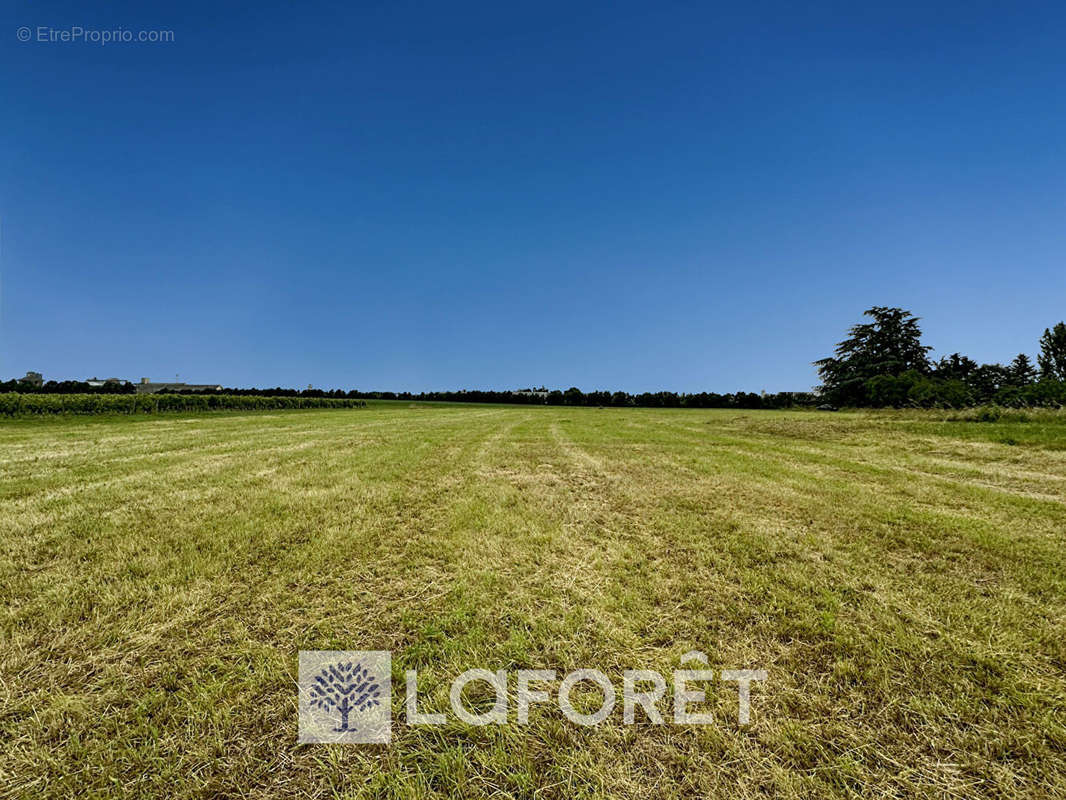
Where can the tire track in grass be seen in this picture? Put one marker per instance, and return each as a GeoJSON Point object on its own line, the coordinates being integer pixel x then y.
{"type": "Point", "coordinates": [482, 464]}
{"type": "Point", "coordinates": [581, 458]}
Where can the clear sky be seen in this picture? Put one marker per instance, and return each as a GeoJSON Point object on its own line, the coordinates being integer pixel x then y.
{"type": "Point", "coordinates": [637, 196]}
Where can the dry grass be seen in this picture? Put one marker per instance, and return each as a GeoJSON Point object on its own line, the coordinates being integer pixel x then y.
{"type": "Point", "coordinates": [900, 577]}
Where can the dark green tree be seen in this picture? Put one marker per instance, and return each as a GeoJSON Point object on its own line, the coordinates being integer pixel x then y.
{"type": "Point", "coordinates": [889, 345]}
{"type": "Point", "coordinates": [986, 380]}
{"type": "Point", "coordinates": [1052, 358]}
{"type": "Point", "coordinates": [954, 367]}
{"type": "Point", "coordinates": [1021, 371]}
{"type": "Point", "coordinates": [573, 397]}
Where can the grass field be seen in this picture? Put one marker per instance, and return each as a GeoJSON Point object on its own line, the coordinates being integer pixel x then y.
{"type": "Point", "coordinates": [902, 580]}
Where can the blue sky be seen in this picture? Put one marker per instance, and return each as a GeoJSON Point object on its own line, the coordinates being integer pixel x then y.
{"type": "Point", "coordinates": [626, 196]}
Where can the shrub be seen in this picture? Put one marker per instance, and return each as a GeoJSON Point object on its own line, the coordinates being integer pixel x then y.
{"type": "Point", "coordinates": [933, 393]}
{"type": "Point", "coordinates": [17, 404]}
{"type": "Point", "coordinates": [892, 390]}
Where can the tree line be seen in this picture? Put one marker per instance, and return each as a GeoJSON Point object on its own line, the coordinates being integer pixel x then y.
{"type": "Point", "coordinates": [570, 397]}
{"type": "Point", "coordinates": [23, 386]}
{"type": "Point", "coordinates": [575, 397]}
{"type": "Point", "coordinates": [883, 363]}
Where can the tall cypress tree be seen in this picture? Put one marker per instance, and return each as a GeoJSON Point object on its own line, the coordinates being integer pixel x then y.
{"type": "Point", "coordinates": [1052, 358]}
{"type": "Point", "coordinates": [1021, 370]}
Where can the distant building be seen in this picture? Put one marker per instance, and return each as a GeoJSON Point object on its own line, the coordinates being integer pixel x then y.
{"type": "Point", "coordinates": [540, 393]}
{"type": "Point", "coordinates": [34, 379]}
{"type": "Point", "coordinates": [94, 381]}
{"type": "Point", "coordinates": [147, 386]}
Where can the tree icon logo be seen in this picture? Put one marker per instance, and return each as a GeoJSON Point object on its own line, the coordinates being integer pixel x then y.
{"type": "Point", "coordinates": [345, 696]}
{"type": "Point", "coordinates": [343, 688]}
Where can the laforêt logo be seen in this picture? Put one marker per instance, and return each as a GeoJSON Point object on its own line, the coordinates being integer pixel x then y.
{"type": "Point", "coordinates": [346, 695]}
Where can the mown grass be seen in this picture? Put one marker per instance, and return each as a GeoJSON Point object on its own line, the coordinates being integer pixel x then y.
{"type": "Point", "coordinates": [899, 576]}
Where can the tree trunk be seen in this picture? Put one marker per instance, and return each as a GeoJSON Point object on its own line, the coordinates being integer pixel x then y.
{"type": "Point", "coordinates": [344, 708]}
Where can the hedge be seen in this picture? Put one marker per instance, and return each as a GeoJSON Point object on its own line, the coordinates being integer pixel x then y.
{"type": "Point", "coordinates": [16, 404]}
